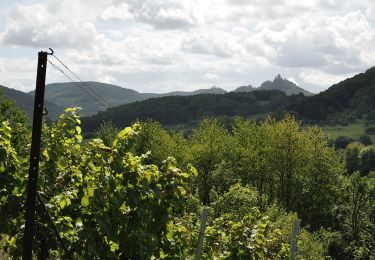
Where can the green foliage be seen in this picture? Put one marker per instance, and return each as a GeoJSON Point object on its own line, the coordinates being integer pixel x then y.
{"type": "Point", "coordinates": [367, 159]}
{"type": "Point", "coordinates": [365, 140]}
{"type": "Point", "coordinates": [354, 96]}
{"type": "Point", "coordinates": [208, 147]}
{"type": "Point", "coordinates": [14, 151]}
{"type": "Point", "coordinates": [310, 247]}
{"type": "Point", "coordinates": [238, 200]}
{"type": "Point", "coordinates": [352, 158]}
{"type": "Point", "coordinates": [352, 131]}
{"type": "Point", "coordinates": [126, 197]}
{"type": "Point", "coordinates": [12, 181]}
{"type": "Point", "coordinates": [341, 142]}
{"type": "Point", "coordinates": [370, 130]}
{"type": "Point", "coordinates": [295, 168]}
{"type": "Point", "coordinates": [18, 121]}
{"type": "Point", "coordinates": [250, 238]}
{"type": "Point", "coordinates": [156, 141]}
{"type": "Point", "coordinates": [104, 199]}
{"type": "Point", "coordinates": [362, 225]}
{"type": "Point", "coordinates": [107, 132]}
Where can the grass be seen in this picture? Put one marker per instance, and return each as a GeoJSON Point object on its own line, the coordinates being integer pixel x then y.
{"type": "Point", "coordinates": [354, 130]}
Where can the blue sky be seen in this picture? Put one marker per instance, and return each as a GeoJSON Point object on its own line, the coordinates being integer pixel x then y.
{"type": "Point", "coordinates": [161, 46]}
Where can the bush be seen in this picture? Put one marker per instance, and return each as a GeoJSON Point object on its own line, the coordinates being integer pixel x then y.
{"type": "Point", "coordinates": [365, 140]}
{"type": "Point", "coordinates": [370, 130]}
{"type": "Point", "coordinates": [352, 159]}
{"type": "Point", "coordinates": [238, 200]}
{"type": "Point", "coordinates": [342, 141]}
{"type": "Point", "coordinates": [309, 246]}
{"type": "Point", "coordinates": [367, 157]}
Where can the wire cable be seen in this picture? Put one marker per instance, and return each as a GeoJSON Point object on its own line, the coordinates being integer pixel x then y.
{"type": "Point", "coordinates": [78, 85]}
{"type": "Point", "coordinates": [75, 75]}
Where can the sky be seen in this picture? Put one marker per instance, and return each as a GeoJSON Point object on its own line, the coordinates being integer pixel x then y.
{"type": "Point", "coordinates": [167, 45]}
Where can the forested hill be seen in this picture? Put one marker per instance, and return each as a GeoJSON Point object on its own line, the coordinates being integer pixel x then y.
{"type": "Point", "coordinates": [184, 109]}
{"type": "Point", "coordinates": [352, 97]}
{"type": "Point", "coordinates": [278, 83]}
{"type": "Point", "coordinates": [284, 85]}
{"type": "Point", "coordinates": [26, 102]}
{"type": "Point", "coordinates": [213, 90]}
{"type": "Point", "coordinates": [72, 94]}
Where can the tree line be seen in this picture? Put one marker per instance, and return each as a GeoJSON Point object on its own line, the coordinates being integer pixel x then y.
{"type": "Point", "coordinates": [174, 110]}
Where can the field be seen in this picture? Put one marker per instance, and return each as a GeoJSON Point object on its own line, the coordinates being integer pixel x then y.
{"type": "Point", "coordinates": [353, 130]}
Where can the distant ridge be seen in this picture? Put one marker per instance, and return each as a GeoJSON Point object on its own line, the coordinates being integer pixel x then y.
{"type": "Point", "coordinates": [278, 83]}
{"type": "Point", "coordinates": [62, 95]}
{"type": "Point", "coordinates": [244, 89]}
{"type": "Point", "coordinates": [213, 90]}
{"type": "Point", "coordinates": [70, 95]}
{"type": "Point", "coordinates": [353, 97]}
{"type": "Point", "coordinates": [26, 102]}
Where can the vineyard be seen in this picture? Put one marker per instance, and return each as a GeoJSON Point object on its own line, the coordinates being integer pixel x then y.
{"type": "Point", "coordinates": [138, 193]}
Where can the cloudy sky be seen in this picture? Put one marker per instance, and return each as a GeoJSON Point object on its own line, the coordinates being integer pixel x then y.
{"type": "Point", "coordinates": [165, 45]}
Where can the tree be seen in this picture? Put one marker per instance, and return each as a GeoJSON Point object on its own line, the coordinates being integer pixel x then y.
{"type": "Point", "coordinates": [367, 158]}
{"type": "Point", "coordinates": [156, 141]}
{"type": "Point", "coordinates": [248, 153]}
{"type": "Point", "coordinates": [238, 200]}
{"type": "Point", "coordinates": [107, 132]}
{"type": "Point", "coordinates": [320, 182]}
{"type": "Point", "coordinates": [352, 158]}
{"type": "Point", "coordinates": [208, 147]}
{"type": "Point", "coordinates": [365, 140]}
{"type": "Point", "coordinates": [362, 193]}
{"type": "Point", "coordinates": [18, 121]}
{"type": "Point", "coordinates": [285, 157]}
{"type": "Point", "coordinates": [342, 141]}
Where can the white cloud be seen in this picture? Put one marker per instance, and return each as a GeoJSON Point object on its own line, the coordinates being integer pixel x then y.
{"type": "Point", "coordinates": [37, 26]}
{"type": "Point", "coordinates": [335, 44]}
{"type": "Point", "coordinates": [165, 13]}
{"type": "Point", "coordinates": [216, 43]}
{"type": "Point", "coordinates": [162, 45]}
{"type": "Point", "coordinates": [109, 79]}
{"type": "Point", "coordinates": [291, 79]}
{"type": "Point", "coordinates": [18, 73]}
{"type": "Point", "coordinates": [211, 76]}
{"type": "Point", "coordinates": [118, 13]}
{"type": "Point", "coordinates": [321, 78]}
